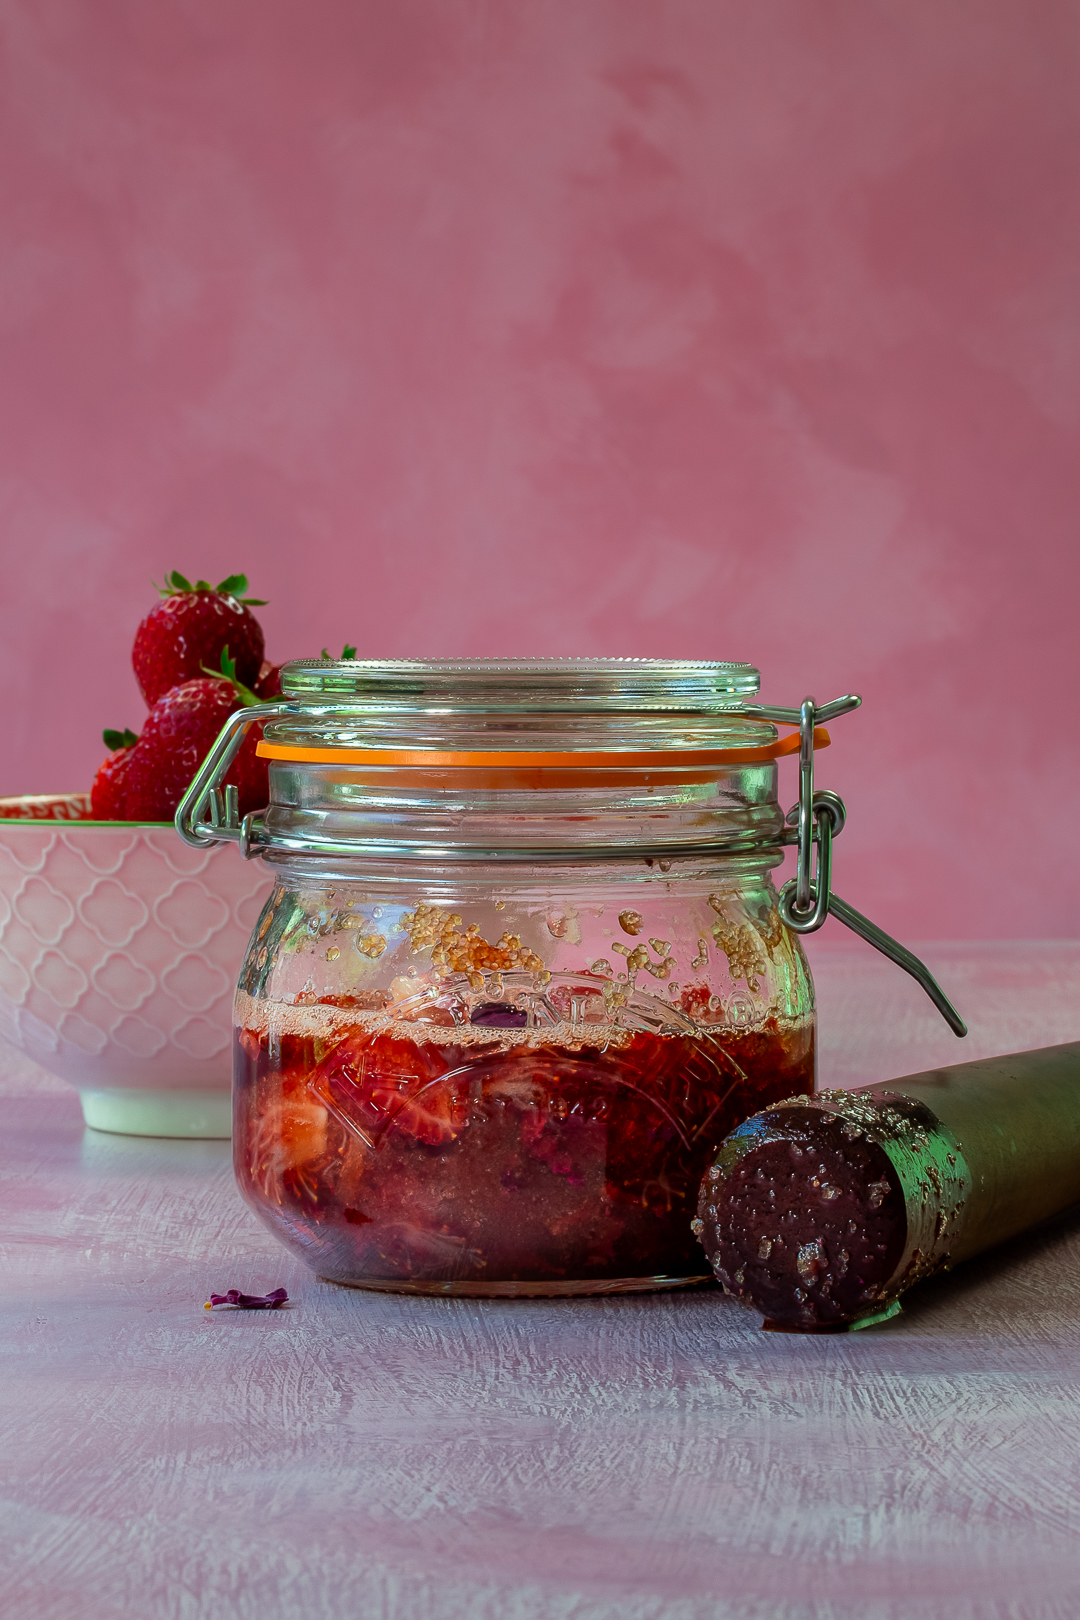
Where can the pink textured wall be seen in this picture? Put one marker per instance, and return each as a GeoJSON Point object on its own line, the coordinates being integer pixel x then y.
{"type": "Point", "coordinates": [690, 328]}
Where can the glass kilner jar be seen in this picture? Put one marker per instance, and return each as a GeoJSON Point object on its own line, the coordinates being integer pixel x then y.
{"type": "Point", "coordinates": [524, 965]}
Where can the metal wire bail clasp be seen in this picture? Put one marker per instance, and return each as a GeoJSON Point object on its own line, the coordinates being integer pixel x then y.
{"type": "Point", "coordinates": [807, 898]}
{"type": "Point", "coordinates": [804, 902]}
{"type": "Point", "coordinates": [208, 813]}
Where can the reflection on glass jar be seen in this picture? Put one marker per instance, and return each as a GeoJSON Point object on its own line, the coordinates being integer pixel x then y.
{"type": "Point", "coordinates": [521, 972]}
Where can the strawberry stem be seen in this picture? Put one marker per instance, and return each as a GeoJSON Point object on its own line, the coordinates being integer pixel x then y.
{"type": "Point", "coordinates": [176, 585]}
{"type": "Point", "coordinates": [227, 672]}
{"type": "Point", "coordinates": [235, 585]}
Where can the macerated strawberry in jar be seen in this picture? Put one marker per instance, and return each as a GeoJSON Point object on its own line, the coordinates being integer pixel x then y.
{"type": "Point", "coordinates": [411, 1157]}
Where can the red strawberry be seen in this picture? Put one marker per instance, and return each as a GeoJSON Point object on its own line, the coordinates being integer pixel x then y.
{"type": "Point", "coordinates": [188, 630]}
{"type": "Point", "coordinates": [108, 796]}
{"type": "Point", "coordinates": [268, 685]}
{"type": "Point", "coordinates": [250, 775]}
{"type": "Point", "coordinates": [179, 733]}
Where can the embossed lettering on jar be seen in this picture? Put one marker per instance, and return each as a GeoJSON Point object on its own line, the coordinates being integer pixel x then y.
{"type": "Point", "coordinates": [521, 972]}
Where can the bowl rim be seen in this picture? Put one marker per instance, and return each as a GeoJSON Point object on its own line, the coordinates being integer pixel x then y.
{"type": "Point", "coordinates": [11, 816]}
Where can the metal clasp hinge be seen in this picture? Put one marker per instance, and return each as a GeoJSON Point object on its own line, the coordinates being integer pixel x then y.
{"type": "Point", "coordinates": [808, 898]}
{"type": "Point", "coordinates": [209, 813]}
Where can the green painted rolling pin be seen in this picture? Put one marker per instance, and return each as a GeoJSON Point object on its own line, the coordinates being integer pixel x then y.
{"type": "Point", "coordinates": [821, 1211]}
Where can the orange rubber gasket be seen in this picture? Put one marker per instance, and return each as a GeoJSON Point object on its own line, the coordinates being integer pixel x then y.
{"type": "Point", "coordinates": [512, 760]}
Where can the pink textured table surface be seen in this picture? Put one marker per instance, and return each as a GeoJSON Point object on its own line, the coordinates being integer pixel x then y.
{"type": "Point", "coordinates": [650, 1458]}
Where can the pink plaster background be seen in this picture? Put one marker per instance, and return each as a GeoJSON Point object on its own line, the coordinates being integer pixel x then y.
{"type": "Point", "coordinates": [689, 328]}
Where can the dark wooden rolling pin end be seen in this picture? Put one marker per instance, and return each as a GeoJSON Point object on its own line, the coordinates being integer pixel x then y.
{"type": "Point", "coordinates": [823, 1210]}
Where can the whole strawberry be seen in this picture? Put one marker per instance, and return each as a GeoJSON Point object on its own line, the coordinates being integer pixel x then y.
{"type": "Point", "coordinates": [249, 774]}
{"type": "Point", "coordinates": [179, 732]}
{"type": "Point", "coordinates": [108, 796]}
{"type": "Point", "coordinates": [188, 631]}
{"type": "Point", "coordinates": [268, 685]}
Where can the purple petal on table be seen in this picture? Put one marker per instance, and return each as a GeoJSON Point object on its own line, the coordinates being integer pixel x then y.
{"type": "Point", "coordinates": [248, 1302]}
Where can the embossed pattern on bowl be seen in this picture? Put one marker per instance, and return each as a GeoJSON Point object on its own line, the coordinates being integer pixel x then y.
{"type": "Point", "coordinates": [119, 950]}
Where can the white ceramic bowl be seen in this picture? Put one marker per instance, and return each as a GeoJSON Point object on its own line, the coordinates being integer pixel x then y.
{"type": "Point", "coordinates": [119, 952]}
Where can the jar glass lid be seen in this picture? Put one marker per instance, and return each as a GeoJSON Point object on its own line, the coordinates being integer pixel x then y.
{"type": "Point", "coordinates": [511, 685]}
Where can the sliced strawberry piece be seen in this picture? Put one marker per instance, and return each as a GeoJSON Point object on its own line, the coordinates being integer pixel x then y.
{"type": "Point", "coordinates": [370, 1098]}
{"type": "Point", "coordinates": [426, 1113]}
{"type": "Point", "coordinates": [296, 1128]}
{"type": "Point", "coordinates": [288, 1136]}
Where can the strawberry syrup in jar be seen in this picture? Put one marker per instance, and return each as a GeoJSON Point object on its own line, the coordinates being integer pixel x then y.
{"type": "Point", "coordinates": [522, 970]}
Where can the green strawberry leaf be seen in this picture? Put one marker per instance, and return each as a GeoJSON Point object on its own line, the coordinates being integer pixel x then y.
{"type": "Point", "coordinates": [227, 672]}
{"type": "Point", "coordinates": [347, 652]}
{"type": "Point", "coordinates": [233, 585]}
{"type": "Point", "coordinates": [119, 739]}
{"type": "Point", "coordinates": [326, 655]}
{"type": "Point", "coordinates": [175, 585]}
